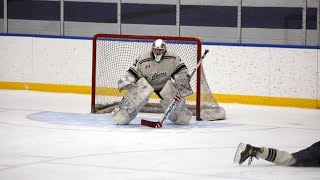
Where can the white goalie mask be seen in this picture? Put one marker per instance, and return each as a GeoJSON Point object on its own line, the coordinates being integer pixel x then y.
{"type": "Point", "coordinates": [159, 47]}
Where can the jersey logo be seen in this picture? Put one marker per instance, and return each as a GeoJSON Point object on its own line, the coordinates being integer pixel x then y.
{"type": "Point", "coordinates": [147, 66]}
{"type": "Point", "coordinates": [157, 75]}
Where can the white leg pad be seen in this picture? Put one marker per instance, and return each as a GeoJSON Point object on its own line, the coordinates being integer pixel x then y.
{"type": "Point", "coordinates": [130, 105]}
{"type": "Point", "coordinates": [182, 84]}
{"type": "Point", "coordinates": [180, 114]}
{"type": "Point", "coordinates": [183, 115]}
{"type": "Point", "coordinates": [168, 91]}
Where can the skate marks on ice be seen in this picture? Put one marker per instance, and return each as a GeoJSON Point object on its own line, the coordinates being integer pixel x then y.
{"type": "Point", "coordinates": [105, 120]}
{"type": "Point", "coordinates": [66, 118]}
{"type": "Point", "coordinates": [6, 109]}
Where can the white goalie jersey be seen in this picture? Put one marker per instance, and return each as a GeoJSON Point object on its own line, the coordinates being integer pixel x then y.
{"type": "Point", "coordinates": [157, 73]}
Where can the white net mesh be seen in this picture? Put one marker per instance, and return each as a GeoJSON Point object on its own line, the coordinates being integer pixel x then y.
{"type": "Point", "coordinates": [114, 56]}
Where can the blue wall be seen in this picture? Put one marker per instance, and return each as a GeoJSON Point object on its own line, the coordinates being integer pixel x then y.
{"type": "Point", "coordinates": [34, 10]}
{"type": "Point", "coordinates": [1, 9]}
{"type": "Point", "coordinates": [90, 12]}
{"type": "Point", "coordinates": [194, 19]}
{"type": "Point", "coordinates": [157, 14]}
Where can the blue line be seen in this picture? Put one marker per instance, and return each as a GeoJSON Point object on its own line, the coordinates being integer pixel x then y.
{"type": "Point", "coordinates": [204, 43]}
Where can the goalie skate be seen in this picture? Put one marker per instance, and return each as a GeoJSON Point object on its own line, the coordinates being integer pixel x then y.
{"type": "Point", "coordinates": [237, 156]}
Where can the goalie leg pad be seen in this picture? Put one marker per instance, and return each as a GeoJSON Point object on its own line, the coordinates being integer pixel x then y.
{"type": "Point", "coordinates": [180, 114]}
{"type": "Point", "coordinates": [130, 105]}
{"type": "Point", "coordinates": [168, 91]}
{"type": "Point", "coordinates": [182, 84]}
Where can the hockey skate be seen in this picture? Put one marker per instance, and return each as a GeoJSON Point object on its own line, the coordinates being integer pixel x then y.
{"type": "Point", "coordinates": [244, 152]}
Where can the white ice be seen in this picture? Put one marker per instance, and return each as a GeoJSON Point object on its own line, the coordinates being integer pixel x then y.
{"type": "Point", "coordinates": [53, 136]}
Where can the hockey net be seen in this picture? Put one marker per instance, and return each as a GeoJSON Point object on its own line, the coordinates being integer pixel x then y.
{"type": "Point", "coordinates": [114, 54]}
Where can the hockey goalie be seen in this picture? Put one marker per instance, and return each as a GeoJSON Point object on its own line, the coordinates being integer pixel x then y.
{"type": "Point", "coordinates": [152, 72]}
{"type": "Point", "coordinates": [160, 71]}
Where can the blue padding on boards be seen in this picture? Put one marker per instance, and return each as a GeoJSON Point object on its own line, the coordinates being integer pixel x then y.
{"type": "Point", "coordinates": [34, 10]}
{"type": "Point", "coordinates": [271, 17]}
{"type": "Point", "coordinates": [90, 12]}
{"type": "Point", "coordinates": [312, 18]}
{"type": "Point", "coordinates": [1, 9]}
{"type": "Point", "coordinates": [277, 17]}
{"type": "Point", "coordinates": [214, 16]}
{"type": "Point", "coordinates": [154, 14]}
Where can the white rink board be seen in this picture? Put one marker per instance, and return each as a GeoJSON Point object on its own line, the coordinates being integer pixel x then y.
{"type": "Point", "coordinates": [293, 73]}
{"type": "Point", "coordinates": [318, 89]}
{"type": "Point", "coordinates": [258, 71]}
{"type": "Point", "coordinates": [237, 70]}
{"type": "Point", "coordinates": [263, 71]}
{"type": "Point", "coordinates": [62, 61]}
{"type": "Point", "coordinates": [45, 60]}
{"type": "Point", "coordinates": [16, 59]}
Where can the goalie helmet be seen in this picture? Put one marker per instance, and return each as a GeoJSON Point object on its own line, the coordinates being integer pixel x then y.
{"type": "Point", "coordinates": [159, 47]}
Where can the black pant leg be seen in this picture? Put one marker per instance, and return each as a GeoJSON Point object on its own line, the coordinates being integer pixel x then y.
{"type": "Point", "coordinates": [309, 157]}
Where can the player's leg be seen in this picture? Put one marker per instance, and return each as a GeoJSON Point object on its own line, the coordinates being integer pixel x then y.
{"type": "Point", "coordinates": [180, 114]}
{"type": "Point", "coordinates": [136, 97]}
{"type": "Point", "coordinates": [247, 151]}
{"type": "Point", "coordinates": [309, 157]}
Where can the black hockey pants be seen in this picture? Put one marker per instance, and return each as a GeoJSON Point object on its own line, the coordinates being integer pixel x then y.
{"type": "Point", "coordinates": [309, 157]}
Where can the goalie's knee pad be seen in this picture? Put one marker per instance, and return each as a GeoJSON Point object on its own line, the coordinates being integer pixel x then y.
{"type": "Point", "coordinates": [130, 105]}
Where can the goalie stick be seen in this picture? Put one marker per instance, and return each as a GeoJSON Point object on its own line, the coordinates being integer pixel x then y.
{"type": "Point", "coordinates": [173, 102]}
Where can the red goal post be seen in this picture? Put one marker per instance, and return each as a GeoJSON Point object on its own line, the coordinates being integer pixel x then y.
{"type": "Point", "coordinates": [113, 54]}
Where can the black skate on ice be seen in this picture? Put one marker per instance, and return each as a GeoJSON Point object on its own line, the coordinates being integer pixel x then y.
{"type": "Point", "coordinates": [244, 152]}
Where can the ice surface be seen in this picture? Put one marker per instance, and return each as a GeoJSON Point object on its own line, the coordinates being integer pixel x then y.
{"type": "Point", "coordinates": [53, 136]}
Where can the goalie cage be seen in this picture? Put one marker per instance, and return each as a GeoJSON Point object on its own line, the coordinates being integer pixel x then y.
{"type": "Point", "coordinates": [112, 56]}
